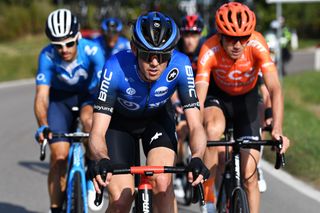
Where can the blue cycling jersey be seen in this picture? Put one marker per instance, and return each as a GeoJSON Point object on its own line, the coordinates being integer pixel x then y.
{"type": "Point", "coordinates": [80, 75]}
{"type": "Point", "coordinates": [123, 91]}
{"type": "Point", "coordinates": [122, 44]}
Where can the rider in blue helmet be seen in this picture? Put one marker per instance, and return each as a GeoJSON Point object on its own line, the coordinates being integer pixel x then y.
{"type": "Point", "coordinates": [134, 103]}
{"type": "Point", "coordinates": [110, 40]}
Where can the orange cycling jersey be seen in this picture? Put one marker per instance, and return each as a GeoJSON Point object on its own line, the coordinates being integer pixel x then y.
{"type": "Point", "coordinates": [235, 77]}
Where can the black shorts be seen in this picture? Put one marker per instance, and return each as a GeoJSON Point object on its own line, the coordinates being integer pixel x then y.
{"type": "Point", "coordinates": [240, 111]}
{"type": "Point", "coordinates": [123, 135]}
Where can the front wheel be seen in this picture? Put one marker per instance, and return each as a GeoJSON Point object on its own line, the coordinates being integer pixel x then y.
{"type": "Point", "coordinates": [77, 205]}
{"type": "Point", "coordinates": [239, 202]}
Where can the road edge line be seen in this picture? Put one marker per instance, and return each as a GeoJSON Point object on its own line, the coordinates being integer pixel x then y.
{"type": "Point", "coordinates": [16, 83]}
{"type": "Point", "coordinates": [291, 181]}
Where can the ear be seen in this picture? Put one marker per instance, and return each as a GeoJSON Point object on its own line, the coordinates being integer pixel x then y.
{"type": "Point", "coordinates": [133, 48]}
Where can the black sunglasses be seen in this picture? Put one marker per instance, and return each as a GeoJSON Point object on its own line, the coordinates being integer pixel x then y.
{"type": "Point", "coordinates": [234, 39]}
{"type": "Point", "coordinates": [147, 56]}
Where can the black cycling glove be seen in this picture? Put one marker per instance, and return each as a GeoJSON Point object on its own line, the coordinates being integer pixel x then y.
{"type": "Point", "coordinates": [102, 167]}
{"type": "Point", "coordinates": [197, 167]}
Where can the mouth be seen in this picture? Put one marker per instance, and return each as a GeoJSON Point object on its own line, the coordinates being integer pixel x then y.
{"type": "Point", "coordinates": [152, 72]}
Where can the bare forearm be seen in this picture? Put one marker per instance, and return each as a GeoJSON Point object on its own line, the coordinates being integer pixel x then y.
{"type": "Point", "coordinates": [198, 141]}
{"type": "Point", "coordinates": [40, 110]}
{"type": "Point", "coordinates": [277, 109]}
{"type": "Point", "coordinates": [98, 146]}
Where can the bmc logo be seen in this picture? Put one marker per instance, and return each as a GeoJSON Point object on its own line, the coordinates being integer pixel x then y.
{"type": "Point", "coordinates": [190, 78]}
{"type": "Point", "coordinates": [105, 86]}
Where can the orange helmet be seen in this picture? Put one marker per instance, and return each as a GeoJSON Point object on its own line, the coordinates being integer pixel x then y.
{"type": "Point", "coordinates": [235, 19]}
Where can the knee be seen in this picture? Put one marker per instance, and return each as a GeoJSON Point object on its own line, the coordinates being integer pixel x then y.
{"type": "Point", "coordinates": [86, 122]}
{"type": "Point", "coordinates": [214, 130]}
{"type": "Point", "coordinates": [59, 160]}
{"type": "Point", "coordinates": [162, 183]}
{"type": "Point", "coordinates": [121, 201]}
{"type": "Point", "coordinates": [251, 183]}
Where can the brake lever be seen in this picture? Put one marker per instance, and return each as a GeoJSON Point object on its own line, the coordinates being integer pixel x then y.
{"type": "Point", "coordinates": [280, 158]}
{"type": "Point", "coordinates": [99, 197]}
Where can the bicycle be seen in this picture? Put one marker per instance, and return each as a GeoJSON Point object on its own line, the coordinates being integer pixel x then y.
{"type": "Point", "coordinates": [143, 200]}
{"type": "Point", "coordinates": [231, 195]}
{"type": "Point", "coordinates": [76, 199]}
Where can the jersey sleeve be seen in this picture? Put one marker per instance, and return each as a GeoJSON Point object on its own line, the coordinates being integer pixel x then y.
{"type": "Point", "coordinates": [206, 60]}
{"type": "Point", "coordinates": [186, 87]}
{"type": "Point", "coordinates": [45, 66]}
{"type": "Point", "coordinates": [108, 89]}
{"type": "Point", "coordinates": [260, 52]}
{"type": "Point", "coordinates": [98, 61]}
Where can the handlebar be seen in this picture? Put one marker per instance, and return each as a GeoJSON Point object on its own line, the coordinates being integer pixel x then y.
{"type": "Point", "coordinates": [280, 158]}
{"type": "Point", "coordinates": [149, 171]}
{"type": "Point", "coordinates": [46, 132]}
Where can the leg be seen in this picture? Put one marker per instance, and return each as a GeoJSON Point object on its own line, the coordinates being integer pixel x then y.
{"type": "Point", "coordinates": [215, 123]}
{"type": "Point", "coordinates": [182, 132]}
{"type": "Point", "coordinates": [121, 193]}
{"type": "Point", "coordinates": [164, 200]}
{"type": "Point", "coordinates": [121, 150]}
{"type": "Point", "coordinates": [249, 164]}
{"type": "Point", "coordinates": [57, 172]}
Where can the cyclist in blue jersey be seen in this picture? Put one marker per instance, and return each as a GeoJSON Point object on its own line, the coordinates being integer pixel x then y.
{"type": "Point", "coordinates": [134, 103]}
{"type": "Point", "coordinates": [110, 41]}
{"type": "Point", "coordinates": [68, 76]}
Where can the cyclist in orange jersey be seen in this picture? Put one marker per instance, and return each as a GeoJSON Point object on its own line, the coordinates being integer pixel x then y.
{"type": "Point", "coordinates": [226, 84]}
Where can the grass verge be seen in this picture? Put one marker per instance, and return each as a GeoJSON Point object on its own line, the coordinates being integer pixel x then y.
{"type": "Point", "coordinates": [302, 126]}
{"type": "Point", "coordinates": [19, 58]}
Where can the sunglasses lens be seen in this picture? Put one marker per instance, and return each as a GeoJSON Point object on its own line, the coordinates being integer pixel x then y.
{"type": "Point", "coordinates": [70, 44]}
{"type": "Point", "coordinates": [148, 56]}
{"type": "Point", "coordinates": [58, 46]}
{"type": "Point", "coordinates": [235, 39]}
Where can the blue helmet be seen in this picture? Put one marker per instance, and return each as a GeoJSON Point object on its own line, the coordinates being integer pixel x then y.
{"type": "Point", "coordinates": [111, 25]}
{"type": "Point", "coordinates": [155, 31]}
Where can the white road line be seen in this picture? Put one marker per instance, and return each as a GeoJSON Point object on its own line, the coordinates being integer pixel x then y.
{"type": "Point", "coordinates": [16, 83]}
{"type": "Point", "coordinates": [291, 181]}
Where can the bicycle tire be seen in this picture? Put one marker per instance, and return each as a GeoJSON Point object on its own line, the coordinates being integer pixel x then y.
{"type": "Point", "coordinates": [239, 202]}
{"type": "Point", "coordinates": [222, 200]}
{"type": "Point", "coordinates": [78, 205]}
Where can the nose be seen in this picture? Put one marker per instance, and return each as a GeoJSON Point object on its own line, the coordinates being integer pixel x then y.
{"type": "Point", "coordinates": [237, 44]}
{"type": "Point", "coordinates": [154, 61]}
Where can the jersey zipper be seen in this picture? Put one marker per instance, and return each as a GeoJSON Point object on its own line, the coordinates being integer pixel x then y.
{"type": "Point", "coordinates": [148, 97]}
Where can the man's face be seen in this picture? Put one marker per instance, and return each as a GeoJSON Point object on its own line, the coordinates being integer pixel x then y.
{"type": "Point", "coordinates": [190, 41]}
{"type": "Point", "coordinates": [67, 48]}
{"type": "Point", "coordinates": [234, 46]}
{"type": "Point", "coordinates": [111, 39]}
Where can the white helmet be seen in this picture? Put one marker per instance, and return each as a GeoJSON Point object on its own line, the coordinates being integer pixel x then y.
{"type": "Point", "coordinates": [61, 24]}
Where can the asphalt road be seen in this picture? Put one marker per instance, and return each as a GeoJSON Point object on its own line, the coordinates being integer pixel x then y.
{"type": "Point", "coordinates": [23, 177]}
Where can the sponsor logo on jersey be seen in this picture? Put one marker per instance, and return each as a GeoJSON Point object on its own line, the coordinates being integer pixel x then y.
{"type": "Point", "coordinates": [72, 80]}
{"type": "Point", "coordinates": [208, 54]}
{"type": "Point", "coordinates": [41, 77]}
{"type": "Point", "coordinates": [158, 104]}
{"type": "Point", "coordinates": [258, 45]}
{"type": "Point", "coordinates": [104, 86]}
{"type": "Point", "coordinates": [172, 74]}
{"type": "Point", "coordinates": [161, 91]}
{"type": "Point", "coordinates": [103, 108]}
{"type": "Point", "coordinates": [130, 91]}
{"type": "Point", "coordinates": [91, 50]}
{"type": "Point", "coordinates": [190, 78]}
{"type": "Point", "coordinates": [128, 104]}
{"type": "Point", "coordinates": [191, 105]}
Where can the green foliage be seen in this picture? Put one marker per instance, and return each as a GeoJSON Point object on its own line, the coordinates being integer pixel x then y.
{"type": "Point", "coordinates": [19, 18]}
{"type": "Point", "coordinates": [301, 125]}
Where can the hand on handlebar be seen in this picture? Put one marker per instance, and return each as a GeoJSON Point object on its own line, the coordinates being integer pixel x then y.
{"type": "Point", "coordinates": [285, 141]}
{"type": "Point", "coordinates": [197, 167]}
{"type": "Point", "coordinates": [102, 174]}
{"type": "Point", "coordinates": [43, 132]}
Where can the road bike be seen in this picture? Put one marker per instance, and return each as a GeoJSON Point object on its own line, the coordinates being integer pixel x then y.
{"type": "Point", "coordinates": [76, 198]}
{"type": "Point", "coordinates": [231, 194]}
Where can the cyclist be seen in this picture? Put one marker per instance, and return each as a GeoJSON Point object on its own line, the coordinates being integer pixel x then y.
{"type": "Point", "coordinates": [67, 76]}
{"type": "Point", "coordinates": [233, 58]}
{"type": "Point", "coordinates": [110, 41]}
{"type": "Point", "coordinates": [189, 44]}
{"type": "Point", "coordinates": [134, 103]}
